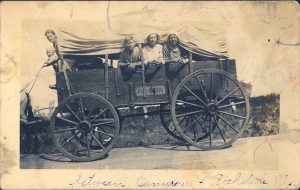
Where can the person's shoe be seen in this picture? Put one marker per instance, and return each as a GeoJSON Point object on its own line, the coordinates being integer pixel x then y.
{"type": "Point", "coordinates": [52, 87]}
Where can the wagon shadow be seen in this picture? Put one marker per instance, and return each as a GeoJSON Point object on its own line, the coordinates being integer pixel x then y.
{"type": "Point", "coordinates": [178, 146]}
{"type": "Point", "coordinates": [58, 157]}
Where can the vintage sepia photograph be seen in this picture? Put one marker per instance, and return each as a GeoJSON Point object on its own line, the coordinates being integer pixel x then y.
{"type": "Point", "coordinates": [196, 88]}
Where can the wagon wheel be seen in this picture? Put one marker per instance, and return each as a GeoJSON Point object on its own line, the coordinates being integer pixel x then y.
{"type": "Point", "coordinates": [213, 99]}
{"type": "Point", "coordinates": [167, 123]}
{"type": "Point", "coordinates": [84, 127]}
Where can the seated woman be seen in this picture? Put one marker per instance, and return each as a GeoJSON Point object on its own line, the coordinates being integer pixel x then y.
{"type": "Point", "coordinates": [171, 51]}
{"type": "Point", "coordinates": [131, 55]}
{"type": "Point", "coordinates": [152, 52]}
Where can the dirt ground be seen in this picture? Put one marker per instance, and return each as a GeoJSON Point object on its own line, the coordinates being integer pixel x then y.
{"type": "Point", "coordinates": [259, 153]}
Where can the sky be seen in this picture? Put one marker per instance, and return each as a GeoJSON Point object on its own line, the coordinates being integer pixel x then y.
{"type": "Point", "coordinates": [263, 37]}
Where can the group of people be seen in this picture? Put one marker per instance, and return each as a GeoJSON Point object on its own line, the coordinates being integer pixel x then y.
{"type": "Point", "coordinates": [152, 53]}
{"type": "Point", "coordinates": [131, 58]}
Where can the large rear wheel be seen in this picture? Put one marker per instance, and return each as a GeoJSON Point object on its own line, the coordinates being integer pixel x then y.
{"type": "Point", "coordinates": [210, 109]}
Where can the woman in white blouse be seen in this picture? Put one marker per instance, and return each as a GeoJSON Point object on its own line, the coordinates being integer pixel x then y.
{"type": "Point", "coordinates": [152, 52]}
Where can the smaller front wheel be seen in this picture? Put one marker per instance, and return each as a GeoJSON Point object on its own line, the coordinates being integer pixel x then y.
{"type": "Point", "coordinates": [84, 127]}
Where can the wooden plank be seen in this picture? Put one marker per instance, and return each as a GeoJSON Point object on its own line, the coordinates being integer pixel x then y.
{"type": "Point", "coordinates": [191, 62]}
{"type": "Point", "coordinates": [106, 77]}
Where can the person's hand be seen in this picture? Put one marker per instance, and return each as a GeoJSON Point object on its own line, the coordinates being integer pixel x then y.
{"type": "Point", "coordinates": [179, 60]}
{"type": "Point", "coordinates": [156, 62]}
{"type": "Point", "coordinates": [185, 60]}
{"type": "Point", "coordinates": [131, 66]}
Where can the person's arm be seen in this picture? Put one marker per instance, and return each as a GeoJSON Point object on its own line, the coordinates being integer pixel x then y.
{"type": "Point", "coordinates": [145, 58]}
{"type": "Point", "coordinates": [160, 59]}
{"type": "Point", "coordinates": [121, 61]}
{"type": "Point", "coordinates": [167, 59]}
{"type": "Point", "coordinates": [51, 61]}
{"type": "Point", "coordinates": [166, 54]}
{"type": "Point", "coordinates": [172, 60]}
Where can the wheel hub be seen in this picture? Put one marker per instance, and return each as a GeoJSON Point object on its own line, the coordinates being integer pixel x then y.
{"type": "Point", "coordinates": [85, 126]}
{"type": "Point", "coordinates": [212, 108]}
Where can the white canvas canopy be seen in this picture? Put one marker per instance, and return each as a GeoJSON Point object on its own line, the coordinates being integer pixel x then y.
{"type": "Point", "coordinates": [94, 38]}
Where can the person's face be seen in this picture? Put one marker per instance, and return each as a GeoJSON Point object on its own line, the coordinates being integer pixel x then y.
{"type": "Point", "coordinates": [51, 37]}
{"type": "Point", "coordinates": [173, 39]}
{"type": "Point", "coordinates": [152, 40]}
{"type": "Point", "coordinates": [49, 52]}
{"type": "Point", "coordinates": [129, 45]}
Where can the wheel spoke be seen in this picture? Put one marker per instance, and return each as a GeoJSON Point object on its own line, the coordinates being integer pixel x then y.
{"type": "Point", "coordinates": [97, 140]}
{"type": "Point", "coordinates": [100, 137]}
{"type": "Point", "coordinates": [103, 120]}
{"type": "Point", "coordinates": [63, 130]}
{"type": "Point", "coordinates": [231, 114]}
{"type": "Point", "coordinates": [90, 112]}
{"type": "Point", "coordinates": [216, 96]}
{"type": "Point", "coordinates": [233, 91]}
{"type": "Point", "coordinates": [189, 113]}
{"type": "Point", "coordinates": [173, 130]}
{"type": "Point", "coordinates": [191, 124]}
{"type": "Point", "coordinates": [88, 146]}
{"type": "Point", "coordinates": [187, 122]}
{"type": "Point", "coordinates": [106, 122]}
{"type": "Point", "coordinates": [201, 87]}
{"type": "Point", "coordinates": [229, 105]}
{"type": "Point", "coordinates": [68, 121]}
{"type": "Point", "coordinates": [75, 150]}
{"type": "Point", "coordinates": [211, 85]}
{"type": "Point", "coordinates": [73, 112]}
{"type": "Point", "coordinates": [210, 132]}
{"type": "Point", "coordinates": [105, 133]}
{"type": "Point", "coordinates": [194, 130]}
{"type": "Point", "coordinates": [68, 140]}
{"type": "Point", "coordinates": [179, 124]}
{"type": "Point", "coordinates": [197, 97]}
{"type": "Point", "coordinates": [81, 105]}
{"type": "Point", "coordinates": [102, 112]}
{"type": "Point", "coordinates": [195, 135]}
{"type": "Point", "coordinates": [91, 142]}
{"type": "Point", "coordinates": [181, 120]}
{"type": "Point", "coordinates": [219, 129]}
{"type": "Point", "coordinates": [105, 125]}
{"type": "Point", "coordinates": [203, 124]}
{"type": "Point", "coordinates": [190, 104]}
{"type": "Point", "coordinates": [227, 123]}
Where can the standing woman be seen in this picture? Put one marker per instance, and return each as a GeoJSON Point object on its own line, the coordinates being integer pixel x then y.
{"type": "Point", "coordinates": [51, 36]}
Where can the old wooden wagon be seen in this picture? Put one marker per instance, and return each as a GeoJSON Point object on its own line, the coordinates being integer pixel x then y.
{"type": "Point", "coordinates": [201, 102]}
